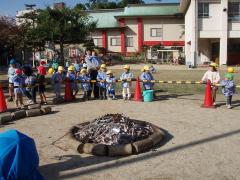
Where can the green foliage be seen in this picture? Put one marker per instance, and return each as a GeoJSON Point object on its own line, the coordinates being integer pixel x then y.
{"type": "Point", "coordinates": [58, 26]}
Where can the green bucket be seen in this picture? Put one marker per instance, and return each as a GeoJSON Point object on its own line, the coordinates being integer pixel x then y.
{"type": "Point", "coordinates": [148, 96]}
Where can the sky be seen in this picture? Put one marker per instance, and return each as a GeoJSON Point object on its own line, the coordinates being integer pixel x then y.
{"type": "Point", "coordinates": [10, 7]}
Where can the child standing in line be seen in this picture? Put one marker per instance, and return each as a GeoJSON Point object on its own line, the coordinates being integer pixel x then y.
{"type": "Point", "coordinates": [126, 78]}
{"type": "Point", "coordinates": [85, 78]}
{"type": "Point", "coordinates": [111, 83]}
{"type": "Point", "coordinates": [41, 80]}
{"type": "Point", "coordinates": [30, 82]}
{"type": "Point", "coordinates": [147, 77]}
{"type": "Point", "coordinates": [73, 81]}
{"type": "Point", "coordinates": [57, 79]}
{"type": "Point", "coordinates": [11, 74]}
{"type": "Point", "coordinates": [101, 78]}
{"type": "Point", "coordinates": [18, 84]}
{"type": "Point", "coordinates": [228, 88]}
{"type": "Point", "coordinates": [213, 75]}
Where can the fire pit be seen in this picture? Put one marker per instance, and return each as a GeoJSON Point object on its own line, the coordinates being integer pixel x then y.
{"type": "Point", "coordinates": [116, 135]}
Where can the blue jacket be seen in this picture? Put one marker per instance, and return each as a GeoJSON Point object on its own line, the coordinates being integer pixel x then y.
{"type": "Point", "coordinates": [101, 76]}
{"type": "Point", "coordinates": [228, 87]}
{"type": "Point", "coordinates": [11, 73]}
{"type": "Point", "coordinates": [72, 77]}
{"type": "Point", "coordinates": [18, 80]}
{"type": "Point", "coordinates": [57, 78]}
{"type": "Point", "coordinates": [93, 62]}
{"type": "Point", "coordinates": [77, 67]}
{"type": "Point", "coordinates": [30, 81]}
{"type": "Point", "coordinates": [124, 77]}
{"type": "Point", "coordinates": [111, 82]}
{"type": "Point", "coordinates": [84, 82]}
{"type": "Point", "coordinates": [147, 76]}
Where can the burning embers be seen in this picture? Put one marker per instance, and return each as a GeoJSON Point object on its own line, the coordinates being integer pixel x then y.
{"type": "Point", "coordinates": [115, 134]}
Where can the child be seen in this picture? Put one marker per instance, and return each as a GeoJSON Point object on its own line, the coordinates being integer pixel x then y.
{"type": "Point", "coordinates": [228, 88]}
{"type": "Point", "coordinates": [57, 79]}
{"type": "Point", "coordinates": [147, 77]}
{"type": "Point", "coordinates": [42, 81]}
{"type": "Point", "coordinates": [18, 82]}
{"type": "Point", "coordinates": [126, 78]}
{"type": "Point", "coordinates": [152, 69]}
{"type": "Point", "coordinates": [73, 81]}
{"type": "Point", "coordinates": [30, 82]}
{"type": "Point", "coordinates": [213, 75]}
{"type": "Point", "coordinates": [11, 74]}
{"type": "Point", "coordinates": [101, 78]}
{"type": "Point", "coordinates": [111, 83]}
{"type": "Point", "coordinates": [85, 78]}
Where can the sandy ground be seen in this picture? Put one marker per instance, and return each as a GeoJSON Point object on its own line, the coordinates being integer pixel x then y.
{"type": "Point", "coordinates": [200, 143]}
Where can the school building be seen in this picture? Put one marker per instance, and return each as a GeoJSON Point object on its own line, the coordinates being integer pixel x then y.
{"type": "Point", "coordinates": [212, 31]}
{"type": "Point", "coordinates": [127, 30]}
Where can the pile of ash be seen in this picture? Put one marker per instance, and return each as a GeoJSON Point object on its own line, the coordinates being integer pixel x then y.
{"type": "Point", "coordinates": [112, 129]}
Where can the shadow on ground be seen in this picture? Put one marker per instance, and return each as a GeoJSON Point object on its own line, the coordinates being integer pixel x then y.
{"type": "Point", "coordinates": [73, 162]}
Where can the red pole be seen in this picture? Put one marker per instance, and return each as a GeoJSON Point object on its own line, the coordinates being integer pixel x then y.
{"type": "Point", "coordinates": [104, 39]}
{"type": "Point", "coordinates": [122, 24]}
{"type": "Point", "coordinates": [140, 34]}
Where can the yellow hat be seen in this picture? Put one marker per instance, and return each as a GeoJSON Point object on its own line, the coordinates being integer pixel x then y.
{"type": "Point", "coordinates": [60, 68]}
{"type": "Point", "coordinates": [146, 68]}
{"type": "Point", "coordinates": [213, 64]}
{"type": "Point", "coordinates": [83, 71]}
{"type": "Point", "coordinates": [103, 66]}
{"type": "Point", "coordinates": [231, 70]}
{"type": "Point", "coordinates": [142, 69]}
{"type": "Point", "coordinates": [109, 72]}
{"type": "Point", "coordinates": [71, 68]}
{"type": "Point", "coordinates": [50, 71]}
{"type": "Point", "coordinates": [126, 67]}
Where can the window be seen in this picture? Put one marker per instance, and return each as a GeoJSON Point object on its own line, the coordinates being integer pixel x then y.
{"type": "Point", "coordinates": [115, 42]}
{"type": "Point", "coordinates": [234, 11]}
{"type": "Point", "coordinates": [129, 42]}
{"type": "Point", "coordinates": [97, 42]}
{"type": "Point", "coordinates": [203, 10]}
{"type": "Point", "coordinates": [156, 32]}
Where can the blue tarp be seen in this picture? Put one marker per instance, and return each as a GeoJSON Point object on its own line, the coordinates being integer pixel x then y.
{"type": "Point", "coordinates": [18, 157]}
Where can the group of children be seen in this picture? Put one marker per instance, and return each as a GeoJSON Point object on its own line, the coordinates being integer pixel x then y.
{"type": "Point", "coordinates": [105, 81]}
{"type": "Point", "coordinates": [22, 81]}
{"type": "Point", "coordinates": [227, 84]}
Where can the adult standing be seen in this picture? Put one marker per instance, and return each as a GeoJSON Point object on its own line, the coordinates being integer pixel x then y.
{"type": "Point", "coordinates": [213, 75]}
{"type": "Point", "coordinates": [93, 64]}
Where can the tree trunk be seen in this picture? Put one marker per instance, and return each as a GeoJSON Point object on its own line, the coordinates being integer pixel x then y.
{"type": "Point", "coordinates": [61, 51]}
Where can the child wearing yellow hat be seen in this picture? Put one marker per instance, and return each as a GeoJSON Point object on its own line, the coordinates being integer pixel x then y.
{"type": "Point", "coordinates": [126, 78]}
{"type": "Point", "coordinates": [85, 79]}
{"type": "Point", "coordinates": [111, 83]}
{"type": "Point", "coordinates": [213, 75]}
{"type": "Point", "coordinates": [73, 81]}
{"type": "Point", "coordinates": [57, 79]}
{"type": "Point", "coordinates": [228, 88]}
{"type": "Point", "coordinates": [101, 78]}
{"type": "Point", "coordinates": [147, 77]}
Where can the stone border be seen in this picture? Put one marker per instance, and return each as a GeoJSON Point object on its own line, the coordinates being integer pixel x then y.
{"type": "Point", "coordinates": [121, 150]}
{"type": "Point", "coordinates": [32, 111]}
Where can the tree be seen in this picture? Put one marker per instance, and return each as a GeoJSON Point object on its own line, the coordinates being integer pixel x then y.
{"type": "Point", "coordinates": [80, 7]}
{"type": "Point", "coordinates": [60, 26]}
{"type": "Point", "coordinates": [124, 3]}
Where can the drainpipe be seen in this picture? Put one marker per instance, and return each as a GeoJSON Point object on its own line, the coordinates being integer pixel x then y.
{"type": "Point", "coordinates": [194, 41]}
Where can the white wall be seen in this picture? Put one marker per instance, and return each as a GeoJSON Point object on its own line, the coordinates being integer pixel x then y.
{"type": "Point", "coordinates": [204, 48]}
{"type": "Point", "coordinates": [234, 29]}
{"type": "Point", "coordinates": [172, 29]}
{"type": "Point", "coordinates": [211, 26]}
{"type": "Point", "coordinates": [132, 31]}
{"type": "Point", "coordinates": [111, 34]}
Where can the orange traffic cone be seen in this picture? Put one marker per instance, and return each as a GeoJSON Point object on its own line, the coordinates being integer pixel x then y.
{"type": "Point", "coordinates": [68, 94]}
{"type": "Point", "coordinates": [3, 105]}
{"type": "Point", "coordinates": [208, 101]}
{"type": "Point", "coordinates": [138, 92]}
